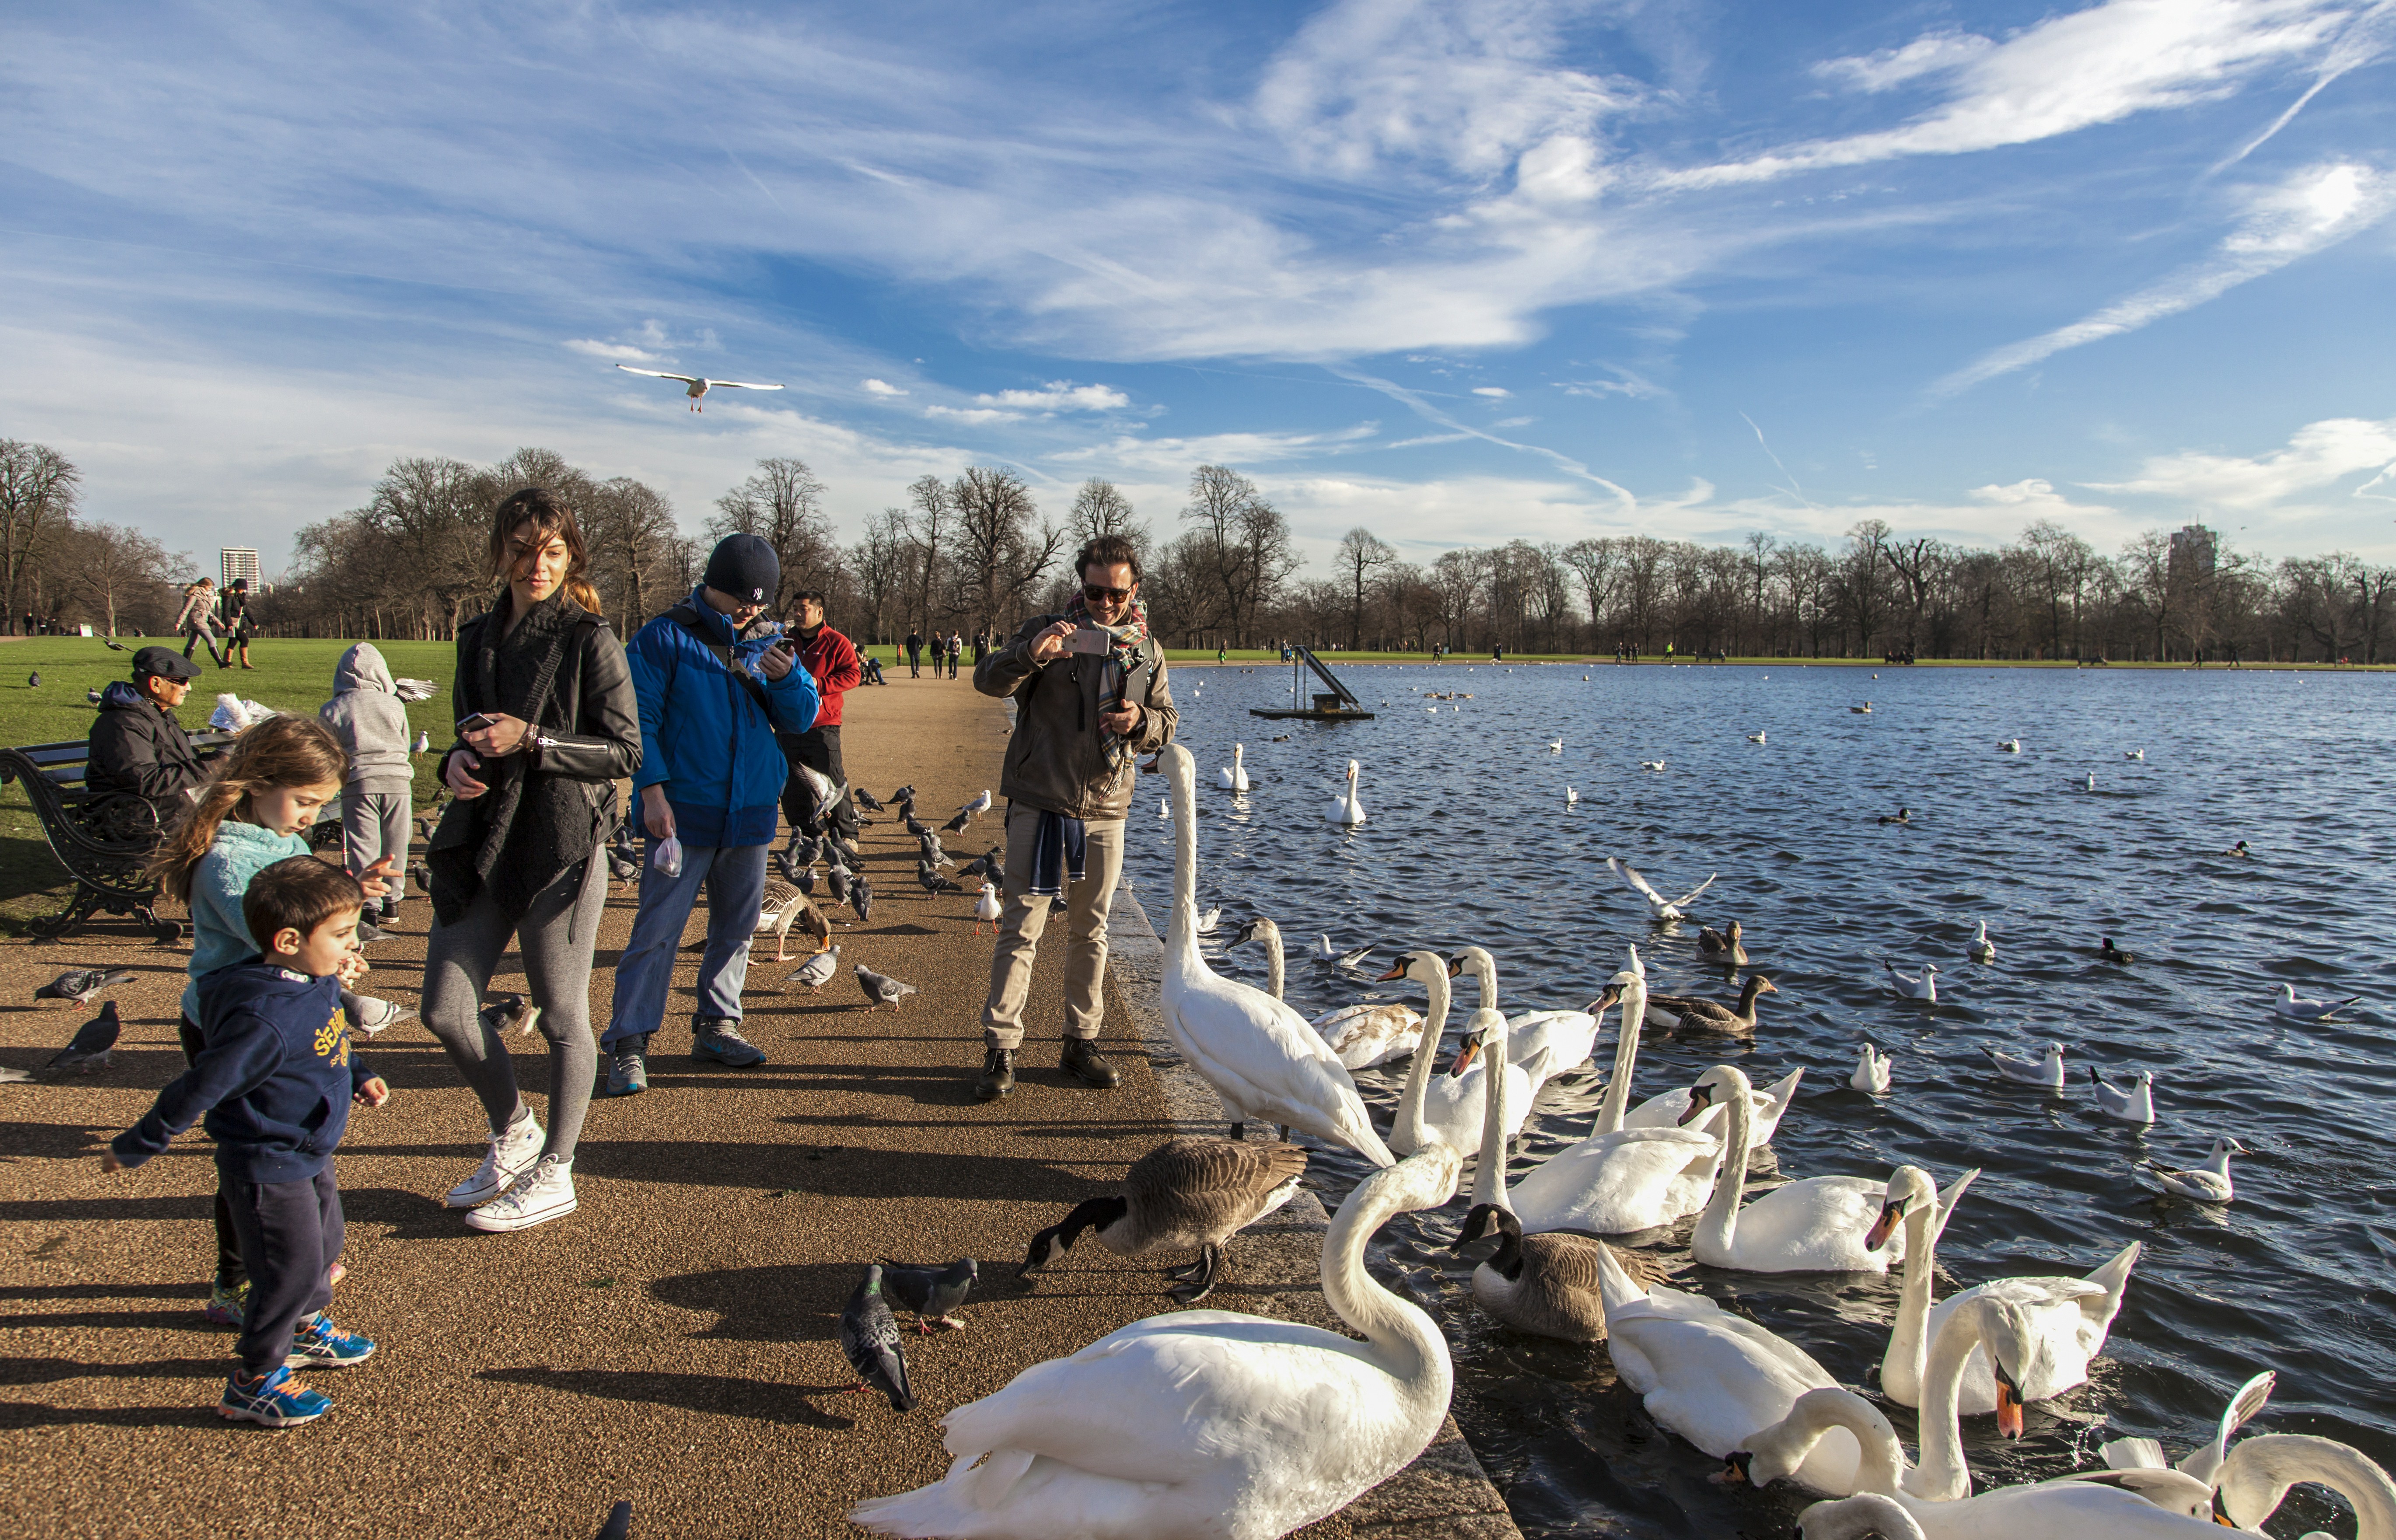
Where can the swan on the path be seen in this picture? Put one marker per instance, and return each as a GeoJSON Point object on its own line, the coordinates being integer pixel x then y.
{"type": "Point", "coordinates": [1658, 907]}
{"type": "Point", "coordinates": [2132, 1102]}
{"type": "Point", "coordinates": [1873, 1070]}
{"type": "Point", "coordinates": [1982, 950]}
{"type": "Point", "coordinates": [2208, 1183]}
{"type": "Point", "coordinates": [1205, 1425]}
{"type": "Point", "coordinates": [2046, 1071]}
{"type": "Point", "coordinates": [1347, 808]}
{"type": "Point", "coordinates": [699, 385]}
{"type": "Point", "coordinates": [2309, 1010]}
{"type": "Point", "coordinates": [1234, 776]}
{"type": "Point", "coordinates": [1922, 986]}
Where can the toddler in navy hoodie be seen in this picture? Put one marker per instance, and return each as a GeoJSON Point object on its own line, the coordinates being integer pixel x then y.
{"type": "Point", "coordinates": [274, 1078]}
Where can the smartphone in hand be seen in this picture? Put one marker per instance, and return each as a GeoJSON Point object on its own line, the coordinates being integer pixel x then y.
{"type": "Point", "coordinates": [1091, 639]}
{"type": "Point", "coordinates": [476, 722]}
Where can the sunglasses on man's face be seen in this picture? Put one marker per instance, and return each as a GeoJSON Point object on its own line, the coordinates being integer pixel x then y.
{"type": "Point", "coordinates": [1100, 593]}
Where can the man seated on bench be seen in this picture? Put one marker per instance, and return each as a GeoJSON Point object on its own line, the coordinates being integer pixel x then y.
{"type": "Point", "coordinates": [137, 745]}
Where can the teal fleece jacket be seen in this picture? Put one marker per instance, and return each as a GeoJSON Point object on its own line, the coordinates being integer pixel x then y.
{"type": "Point", "coordinates": [219, 935]}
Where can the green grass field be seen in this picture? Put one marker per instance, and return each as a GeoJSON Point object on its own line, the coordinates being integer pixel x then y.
{"type": "Point", "coordinates": [295, 677]}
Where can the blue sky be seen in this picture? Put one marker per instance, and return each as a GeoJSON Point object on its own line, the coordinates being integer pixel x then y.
{"type": "Point", "coordinates": [1456, 271]}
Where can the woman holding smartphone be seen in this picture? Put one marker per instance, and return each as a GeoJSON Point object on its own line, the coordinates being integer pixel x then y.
{"type": "Point", "coordinates": [546, 725]}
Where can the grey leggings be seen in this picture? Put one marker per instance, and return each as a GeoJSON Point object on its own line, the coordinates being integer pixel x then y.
{"type": "Point", "coordinates": [557, 934]}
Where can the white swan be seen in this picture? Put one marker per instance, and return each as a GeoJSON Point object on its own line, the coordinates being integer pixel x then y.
{"type": "Point", "coordinates": [1361, 1035]}
{"type": "Point", "coordinates": [1822, 1224]}
{"type": "Point", "coordinates": [1447, 1109]}
{"type": "Point", "coordinates": [2205, 1461]}
{"type": "Point", "coordinates": [1261, 1057]}
{"type": "Point", "coordinates": [1565, 1037]}
{"type": "Point", "coordinates": [1616, 1180]}
{"type": "Point", "coordinates": [1713, 1377]}
{"type": "Point", "coordinates": [1667, 1109]}
{"type": "Point", "coordinates": [1234, 776]}
{"type": "Point", "coordinates": [1873, 1070]}
{"type": "Point", "coordinates": [2259, 1471]}
{"type": "Point", "coordinates": [1204, 1425]}
{"type": "Point", "coordinates": [2064, 1320]}
{"type": "Point", "coordinates": [1346, 809]}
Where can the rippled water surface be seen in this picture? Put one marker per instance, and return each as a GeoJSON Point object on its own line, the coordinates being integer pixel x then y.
{"type": "Point", "coordinates": [1470, 840]}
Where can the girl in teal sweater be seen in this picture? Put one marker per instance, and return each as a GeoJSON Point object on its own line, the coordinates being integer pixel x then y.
{"type": "Point", "coordinates": [251, 813]}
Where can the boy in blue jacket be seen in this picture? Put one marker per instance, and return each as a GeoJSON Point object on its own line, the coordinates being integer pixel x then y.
{"type": "Point", "coordinates": [715, 683]}
{"type": "Point", "coordinates": [275, 1077]}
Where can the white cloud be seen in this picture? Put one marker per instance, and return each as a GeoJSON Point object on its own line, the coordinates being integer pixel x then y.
{"type": "Point", "coordinates": [976, 415]}
{"type": "Point", "coordinates": [1934, 53]}
{"type": "Point", "coordinates": [2318, 456]}
{"type": "Point", "coordinates": [1495, 393]}
{"type": "Point", "coordinates": [1062, 395]}
{"type": "Point", "coordinates": [2314, 208]}
{"type": "Point", "coordinates": [2098, 65]}
{"type": "Point", "coordinates": [623, 353]}
{"type": "Point", "coordinates": [2035, 498]}
{"type": "Point", "coordinates": [883, 388]}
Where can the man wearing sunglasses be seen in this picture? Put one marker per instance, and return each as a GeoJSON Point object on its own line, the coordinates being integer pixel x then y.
{"type": "Point", "coordinates": [1091, 696]}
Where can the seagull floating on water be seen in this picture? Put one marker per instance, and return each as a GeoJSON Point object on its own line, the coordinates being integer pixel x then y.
{"type": "Point", "coordinates": [699, 385]}
{"type": "Point", "coordinates": [1982, 950]}
{"type": "Point", "coordinates": [1571, 796]}
{"type": "Point", "coordinates": [2045, 1070]}
{"type": "Point", "coordinates": [1922, 986]}
{"type": "Point", "coordinates": [2009, 746]}
{"type": "Point", "coordinates": [1756, 737]}
{"type": "Point", "coordinates": [2132, 1102]}
{"type": "Point", "coordinates": [1873, 1072]}
{"type": "Point", "coordinates": [2309, 1010]}
{"type": "Point", "coordinates": [2133, 753]}
{"type": "Point", "coordinates": [2208, 1183]}
{"type": "Point", "coordinates": [1209, 921]}
{"type": "Point", "coordinates": [1657, 765]}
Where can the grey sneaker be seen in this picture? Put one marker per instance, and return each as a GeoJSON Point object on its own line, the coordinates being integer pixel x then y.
{"type": "Point", "coordinates": [719, 1038]}
{"type": "Point", "coordinates": [628, 1066]}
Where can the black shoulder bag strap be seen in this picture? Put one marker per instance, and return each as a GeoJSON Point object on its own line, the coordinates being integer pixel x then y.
{"type": "Point", "coordinates": [688, 619]}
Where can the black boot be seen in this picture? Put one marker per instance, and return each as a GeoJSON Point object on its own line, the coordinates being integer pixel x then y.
{"type": "Point", "coordinates": [997, 1074]}
{"type": "Point", "coordinates": [1085, 1063]}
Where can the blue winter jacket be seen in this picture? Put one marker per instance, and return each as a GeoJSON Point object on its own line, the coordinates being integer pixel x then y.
{"type": "Point", "coordinates": [704, 734]}
{"type": "Point", "coordinates": [273, 1078]}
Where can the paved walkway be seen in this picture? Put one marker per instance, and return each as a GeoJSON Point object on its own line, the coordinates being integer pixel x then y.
{"type": "Point", "coordinates": [671, 1342]}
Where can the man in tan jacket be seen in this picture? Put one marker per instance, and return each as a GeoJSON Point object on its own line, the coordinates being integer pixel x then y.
{"type": "Point", "coordinates": [1091, 696]}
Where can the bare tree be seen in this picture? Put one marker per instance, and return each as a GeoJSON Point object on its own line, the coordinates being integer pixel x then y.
{"type": "Point", "coordinates": [1099, 508]}
{"type": "Point", "coordinates": [39, 490]}
{"type": "Point", "coordinates": [882, 564]}
{"type": "Point", "coordinates": [930, 514]}
{"type": "Point", "coordinates": [111, 564]}
{"type": "Point", "coordinates": [629, 529]}
{"type": "Point", "coordinates": [1592, 562]}
{"type": "Point", "coordinates": [997, 548]}
{"type": "Point", "coordinates": [1361, 554]}
{"type": "Point", "coordinates": [782, 504]}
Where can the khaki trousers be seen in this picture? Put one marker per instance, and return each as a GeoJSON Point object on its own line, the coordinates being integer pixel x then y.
{"type": "Point", "coordinates": [1026, 916]}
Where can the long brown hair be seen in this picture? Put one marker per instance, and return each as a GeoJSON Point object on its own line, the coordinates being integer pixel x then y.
{"type": "Point", "coordinates": [549, 514]}
{"type": "Point", "coordinates": [284, 751]}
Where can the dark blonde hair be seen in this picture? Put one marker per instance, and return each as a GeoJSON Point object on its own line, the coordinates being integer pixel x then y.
{"type": "Point", "coordinates": [550, 515]}
{"type": "Point", "coordinates": [284, 751]}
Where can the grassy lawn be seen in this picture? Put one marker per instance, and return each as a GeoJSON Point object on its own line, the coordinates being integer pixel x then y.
{"type": "Point", "coordinates": [293, 677]}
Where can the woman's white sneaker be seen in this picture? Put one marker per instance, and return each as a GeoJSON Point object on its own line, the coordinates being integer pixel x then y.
{"type": "Point", "coordinates": [545, 1192]}
{"type": "Point", "coordinates": [512, 1154]}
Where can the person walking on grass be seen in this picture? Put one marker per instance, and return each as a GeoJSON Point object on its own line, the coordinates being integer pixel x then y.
{"type": "Point", "coordinates": [275, 1077]}
{"type": "Point", "coordinates": [1090, 694]}
{"type": "Point", "coordinates": [716, 682]}
{"type": "Point", "coordinates": [545, 725]}
{"type": "Point", "coordinates": [367, 716]}
{"type": "Point", "coordinates": [234, 609]}
{"type": "Point", "coordinates": [196, 623]}
{"type": "Point", "coordinates": [830, 660]}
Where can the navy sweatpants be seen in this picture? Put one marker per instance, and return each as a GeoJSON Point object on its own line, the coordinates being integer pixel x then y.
{"type": "Point", "coordinates": [290, 1238]}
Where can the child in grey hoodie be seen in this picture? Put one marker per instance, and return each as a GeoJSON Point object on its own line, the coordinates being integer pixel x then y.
{"type": "Point", "coordinates": [367, 714]}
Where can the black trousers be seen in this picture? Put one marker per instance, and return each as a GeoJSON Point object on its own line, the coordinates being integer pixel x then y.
{"type": "Point", "coordinates": [290, 1238]}
{"type": "Point", "coordinates": [819, 749]}
{"type": "Point", "coordinates": [229, 1272]}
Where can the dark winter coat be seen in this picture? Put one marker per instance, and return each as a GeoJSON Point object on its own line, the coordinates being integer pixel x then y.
{"type": "Point", "coordinates": [138, 746]}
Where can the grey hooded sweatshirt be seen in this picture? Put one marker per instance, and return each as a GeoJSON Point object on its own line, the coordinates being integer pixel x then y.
{"type": "Point", "coordinates": [367, 714]}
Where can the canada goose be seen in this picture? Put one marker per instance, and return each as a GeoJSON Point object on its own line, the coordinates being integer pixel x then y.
{"type": "Point", "coordinates": [1185, 1194]}
{"type": "Point", "coordinates": [1545, 1284]}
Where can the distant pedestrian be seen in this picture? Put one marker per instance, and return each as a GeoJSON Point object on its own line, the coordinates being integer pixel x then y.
{"type": "Point", "coordinates": [196, 624]}
{"type": "Point", "coordinates": [832, 659]}
{"type": "Point", "coordinates": [914, 655]}
{"type": "Point", "coordinates": [367, 716]}
{"type": "Point", "coordinates": [956, 651]}
{"type": "Point", "coordinates": [716, 682]}
{"type": "Point", "coordinates": [233, 611]}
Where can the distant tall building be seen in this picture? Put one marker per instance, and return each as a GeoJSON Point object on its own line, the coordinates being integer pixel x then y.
{"type": "Point", "coordinates": [241, 562]}
{"type": "Point", "coordinates": [2195, 550]}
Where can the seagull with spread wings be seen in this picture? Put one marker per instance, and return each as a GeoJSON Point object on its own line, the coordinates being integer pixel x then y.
{"type": "Point", "coordinates": [700, 384]}
{"type": "Point", "coordinates": [1660, 906]}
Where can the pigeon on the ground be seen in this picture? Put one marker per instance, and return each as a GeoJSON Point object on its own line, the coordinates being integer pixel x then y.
{"type": "Point", "coordinates": [846, 854]}
{"type": "Point", "coordinates": [904, 794]}
{"type": "Point", "coordinates": [92, 696]}
{"type": "Point", "coordinates": [805, 850]}
{"type": "Point", "coordinates": [956, 824]}
{"type": "Point", "coordinates": [33, 680]}
{"type": "Point", "coordinates": [790, 870]}
{"type": "Point", "coordinates": [423, 875]}
{"type": "Point", "coordinates": [866, 800]}
{"type": "Point", "coordinates": [836, 883]}
{"type": "Point", "coordinates": [929, 850]}
{"type": "Point", "coordinates": [84, 985]}
{"type": "Point", "coordinates": [620, 1521]}
{"type": "Point", "coordinates": [869, 1339]}
{"type": "Point", "coordinates": [861, 899]}
{"type": "Point", "coordinates": [929, 875]}
{"type": "Point", "coordinates": [805, 881]}
{"type": "Point", "coordinates": [816, 972]}
{"type": "Point", "coordinates": [88, 1049]}
{"type": "Point", "coordinates": [372, 1015]}
{"type": "Point", "coordinates": [881, 987]}
{"type": "Point", "coordinates": [981, 866]}
{"type": "Point", "coordinates": [931, 1293]}
{"type": "Point", "coordinates": [979, 805]}
{"type": "Point", "coordinates": [916, 826]}
{"type": "Point", "coordinates": [511, 1012]}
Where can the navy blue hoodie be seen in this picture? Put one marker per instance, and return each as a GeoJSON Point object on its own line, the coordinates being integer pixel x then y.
{"type": "Point", "coordinates": [274, 1078]}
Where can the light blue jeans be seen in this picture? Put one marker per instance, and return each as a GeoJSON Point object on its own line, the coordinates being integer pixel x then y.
{"type": "Point", "coordinates": [735, 876]}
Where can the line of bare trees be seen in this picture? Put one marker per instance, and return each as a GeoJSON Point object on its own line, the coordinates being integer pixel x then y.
{"type": "Point", "coordinates": [976, 552]}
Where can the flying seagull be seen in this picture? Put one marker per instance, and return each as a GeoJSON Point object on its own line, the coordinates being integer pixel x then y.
{"type": "Point", "coordinates": [699, 385]}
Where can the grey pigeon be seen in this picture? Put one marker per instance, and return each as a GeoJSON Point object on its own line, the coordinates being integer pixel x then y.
{"type": "Point", "coordinates": [932, 854]}
{"type": "Point", "coordinates": [92, 696]}
{"type": "Point", "coordinates": [881, 987]}
{"type": "Point", "coordinates": [620, 1521]}
{"type": "Point", "coordinates": [846, 853]}
{"type": "Point", "coordinates": [819, 786]}
{"type": "Point", "coordinates": [423, 875]}
{"type": "Point", "coordinates": [929, 875]}
{"type": "Point", "coordinates": [861, 899]}
{"type": "Point", "coordinates": [788, 867]}
{"type": "Point", "coordinates": [916, 826]}
{"type": "Point", "coordinates": [84, 985]}
{"type": "Point", "coordinates": [816, 972]}
{"type": "Point", "coordinates": [904, 794]}
{"type": "Point", "coordinates": [836, 880]}
{"type": "Point", "coordinates": [957, 823]}
{"type": "Point", "coordinates": [981, 866]}
{"type": "Point", "coordinates": [869, 1339]}
{"type": "Point", "coordinates": [930, 1293]}
{"type": "Point", "coordinates": [867, 800]}
{"type": "Point", "coordinates": [88, 1049]}
{"type": "Point", "coordinates": [510, 1013]}
{"type": "Point", "coordinates": [805, 881]}
{"type": "Point", "coordinates": [805, 849]}
{"type": "Point", "coordinates": [115, 646]}
{"type": "Point", "coordinates": [33, 680]}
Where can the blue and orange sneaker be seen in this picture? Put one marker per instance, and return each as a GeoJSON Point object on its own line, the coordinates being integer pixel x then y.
{"type": "Point", "coordinates": [271, 1402]}
{"type": "Point", "coordinates": [226, 1306]}
{"type": "Point", "coordinates": [319, 1343]}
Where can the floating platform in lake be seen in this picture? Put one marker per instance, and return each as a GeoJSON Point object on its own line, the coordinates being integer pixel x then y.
{"type": "Point", "coordinates": [1339, 705]}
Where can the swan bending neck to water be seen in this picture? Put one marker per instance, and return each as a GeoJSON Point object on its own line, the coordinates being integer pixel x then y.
{"type": "Point", "coordinates": [1262, 1059]}
{"type": "Point", "coordinates": [1204, 1425]}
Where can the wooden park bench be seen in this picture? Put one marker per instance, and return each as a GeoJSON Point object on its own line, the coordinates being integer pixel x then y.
{"type": "Point", "coordinates": [103, 838]}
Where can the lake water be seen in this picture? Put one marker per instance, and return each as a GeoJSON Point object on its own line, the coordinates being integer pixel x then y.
{"type": "Point", "coordinates": [1470, 840]}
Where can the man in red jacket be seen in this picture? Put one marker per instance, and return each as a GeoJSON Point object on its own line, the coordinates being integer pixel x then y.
{"type": "Point", "coordinates": [832, 659]}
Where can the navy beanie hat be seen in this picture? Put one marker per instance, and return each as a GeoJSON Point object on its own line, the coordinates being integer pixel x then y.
{"type": "Point", "coordinates": [745, 567]}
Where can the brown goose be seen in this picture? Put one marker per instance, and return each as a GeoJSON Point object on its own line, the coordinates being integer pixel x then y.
{"type": "Point", "coordinates": [1545, 1284]}
{"type": "Point", "coordinates": [785, 906]}
{"type": "Point", "coordinates": [1185, 1194]}
{"type": "Point", "coordinates": [1722, 946]}
{"type": "Point", "coordinates": [1673, 1011]}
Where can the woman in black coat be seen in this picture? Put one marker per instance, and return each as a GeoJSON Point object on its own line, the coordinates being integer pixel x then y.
{"type": "Point", "coordinates": [546, 725]}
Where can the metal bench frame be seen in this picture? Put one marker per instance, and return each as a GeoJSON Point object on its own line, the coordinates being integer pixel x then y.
{"type": "Point", "coordinates": [104, 839]}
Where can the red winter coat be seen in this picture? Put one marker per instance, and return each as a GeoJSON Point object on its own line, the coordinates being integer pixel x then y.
{"type": "Point", "coordinates": [832, 659]}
